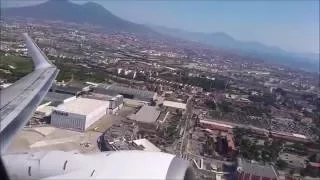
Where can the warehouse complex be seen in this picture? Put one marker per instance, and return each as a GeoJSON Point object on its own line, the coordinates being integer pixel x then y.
{"type": "Point", "coordinates": [78, 114]}
{"type": "Point", "coordinates": [130, 93]}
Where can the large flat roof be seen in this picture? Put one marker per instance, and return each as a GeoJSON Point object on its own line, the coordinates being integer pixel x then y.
{"type": "Point", "coordinates": [70, 89]}
{"type": "Point", "coordinates": [257, 169]}
{"type": "Point", "coordinates": [148, 114]}
{"type": "Point", "coordinates": [82, 106]}
{"type": "Point", "coordinates": [116, 89]}
{"type": "Point", "coordinates": [54, 96]}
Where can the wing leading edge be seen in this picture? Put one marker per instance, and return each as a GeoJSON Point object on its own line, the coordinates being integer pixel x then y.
{"type": "Point", "coordinates": [19, 101]}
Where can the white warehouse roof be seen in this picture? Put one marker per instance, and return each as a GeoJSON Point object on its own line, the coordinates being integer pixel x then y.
{"type": "Point", "coordinates": [175, 104]}
{"type": "Point", "coordinates": [83, 106]}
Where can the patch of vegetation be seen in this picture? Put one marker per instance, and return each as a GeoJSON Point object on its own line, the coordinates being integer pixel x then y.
{"type": "Point", "coordinates": [210, 104]}
{"type": "Point", "coordinates": [310, 171]}
{"type": "Point", "coordinates": [205, 83]}
{"type": "Point", "coordinates": [209, 145]}
{"type": "Point", "coordinates": [281, 164]}
{"type": "Point", "coordinates": [18, 66]}
{"type": "Point", "coordinates": [226, 106]}
{"type": "Point", "coordinates": [296, 148]}
{"type": "Point", "coordinates": [250, 150]}
{"type": "Point", "coordinates": [266, 99]}
{"type": "Point", "coordinates": [69, 71]}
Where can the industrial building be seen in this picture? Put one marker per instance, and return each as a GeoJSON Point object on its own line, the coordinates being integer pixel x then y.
{"type": "Point", "coordinates": [72, 89]}
{"type": "Point", "coordinates": [176, 105]}
{"type": "Point", "coordinates": [129, 93]}
{"type": "Point", "coordinates": [50, 101]}
{"type": "Point", "coordinates": [254, 171]}
{"type": "Point", "coordinates": [101, 97]}
{"type": "Point", "coordinates": [290, 136]}
{"type": "Point", "coordinates": [115, 103]}
{"type": "Point", "coordinates": [135, 103]}
{"type": "Point", "coordinates": [146, 119]}
{"type": "Point", "coordinates": [138, 144]}
{"type": "Point", "coordinates": [205, 124]}
{"type": "Point", "coordinates": [59, 97]}
{"type": "Point", "coordinates": [75, 91]}
{"type": "Point", "coordinates": [78, 114]}
{"type": "Point", "coordinates": [146, 114]}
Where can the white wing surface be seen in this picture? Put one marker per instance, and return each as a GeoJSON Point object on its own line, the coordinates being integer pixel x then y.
{"type": "Point", "coordinates": [19, 101]}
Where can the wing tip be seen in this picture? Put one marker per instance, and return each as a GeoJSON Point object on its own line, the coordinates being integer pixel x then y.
{"type": "Point", "coordinates": [40, 60]}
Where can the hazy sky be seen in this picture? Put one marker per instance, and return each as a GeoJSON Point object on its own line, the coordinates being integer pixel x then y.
{"type": "Point", "coordinates": [290, 24]}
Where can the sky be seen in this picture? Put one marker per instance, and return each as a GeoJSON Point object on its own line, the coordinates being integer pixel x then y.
{"type": "Point", "coordinates": [292, 25]}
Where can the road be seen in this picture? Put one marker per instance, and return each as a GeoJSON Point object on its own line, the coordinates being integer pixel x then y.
{"type": "Point", "coordinates": [215, 161]}
{"type": "Point", "coordinates": [187, 116]}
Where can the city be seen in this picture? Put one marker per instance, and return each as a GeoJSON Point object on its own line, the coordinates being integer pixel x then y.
{"type": "Point", "coordinates": [230, 116]}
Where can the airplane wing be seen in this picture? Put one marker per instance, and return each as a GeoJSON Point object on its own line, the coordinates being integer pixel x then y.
{"type": "Point", "coordinates": [19, 101]}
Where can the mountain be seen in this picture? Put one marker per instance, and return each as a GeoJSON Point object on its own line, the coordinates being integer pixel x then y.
{"type": "Point", "coordinates": [95, 14]}
{"type": "Point", "coordinates": [64, 10]}
{"type": "Point", "coordinates": [271, 54]}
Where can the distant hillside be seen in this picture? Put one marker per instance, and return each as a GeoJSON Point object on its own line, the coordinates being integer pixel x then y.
{"type": "Point", "coordinates": [64, 10]}
{"type": "Point", "coordinates": [309, 62]}
{"type": "Point", "coordinates": [95, 14]}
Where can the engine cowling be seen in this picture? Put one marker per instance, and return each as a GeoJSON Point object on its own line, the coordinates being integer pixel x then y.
{"type": "Point", "coordinates": [104, 165]}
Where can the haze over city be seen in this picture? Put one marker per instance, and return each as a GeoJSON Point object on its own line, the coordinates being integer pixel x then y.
{"type": "Point", "coordinates": [290, 25]}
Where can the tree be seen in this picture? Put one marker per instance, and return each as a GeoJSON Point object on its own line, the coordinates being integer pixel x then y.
{"type": "Point", "coordinates": [153, 103]}
{"type": "Point", "coordinates": [266, 99]}
{"type": "Point", "coordinates": [280, 91]}
{"type": "Point", "coordinates": [266, 156]}
{"type": "Point", "coordinates": [281, 164]}
{"type": "Point", "coordinates": [205, 83]}
{"type": "Point", "coordinates": [226, 106]}
{"type": "Point", "coordinates": [302, 173]}
{"type": "Point", "coordinates": [211, 104]}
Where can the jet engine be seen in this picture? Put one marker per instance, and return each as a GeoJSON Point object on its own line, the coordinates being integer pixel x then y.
{"type": "Point", "coordinates": [104, 165]}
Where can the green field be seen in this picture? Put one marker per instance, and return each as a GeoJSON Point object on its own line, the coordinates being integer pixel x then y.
{"type": "Point", "coordinates": [23, 65]}
{"type": "Point", "coordinates": [20, 66]}
{"type": "Point", "coordinates": [82, 74]}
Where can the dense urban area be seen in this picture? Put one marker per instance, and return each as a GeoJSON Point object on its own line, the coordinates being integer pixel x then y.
{"type": "Point", "coordinates": [228, 115]}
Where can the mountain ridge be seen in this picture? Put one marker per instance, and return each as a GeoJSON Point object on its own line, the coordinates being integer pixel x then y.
{"type": "Point", "coordinates": [96, 14]}
{"type": "Point", "coordinates": [67, 11]}
{"type": "Point", "coordinates": [152, 26]}
{"type": "Point", "coordinates": [272, 54]}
